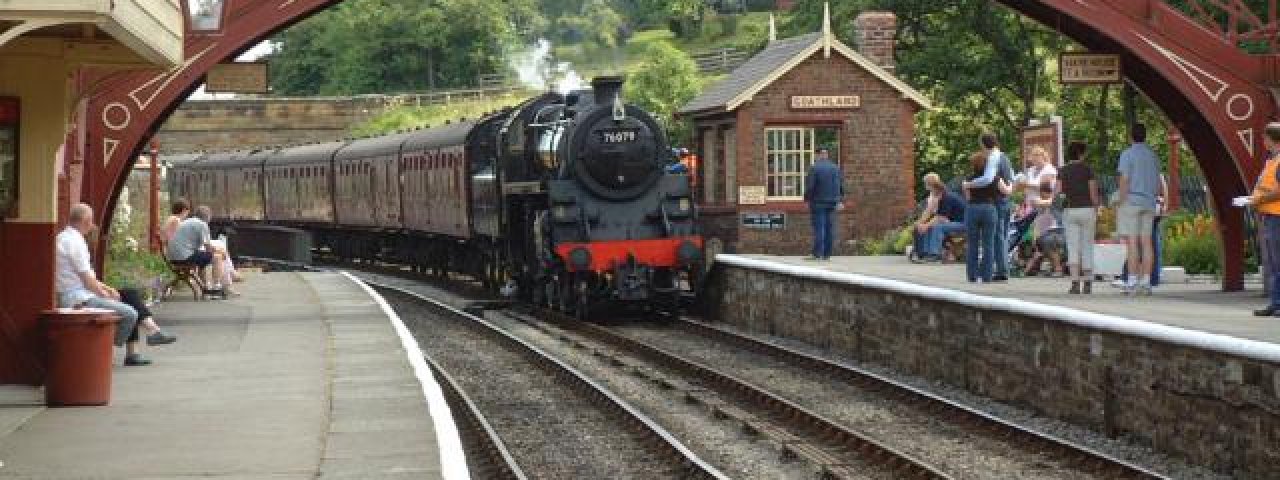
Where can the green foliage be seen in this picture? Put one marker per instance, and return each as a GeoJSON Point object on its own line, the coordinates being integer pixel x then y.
{"type": "Point", "coordinates": [410, 117]}
{"type": "Point", "coordinates": [664, 81]}
{"type": "Point", "coordinates": [135, 269]}
{"type": "Point", "coordinates": [127, 265]}
{"type": "Point", "coordinates": [893, 242]}
{"type": "Point", "coordinates": [1191, 241]}
{"type": "Point", "coordinates": [384, 46]}
{"type": "Point", "coordinates": [903, 238]}
{"type": "Point", "coordinates": [597, 24]}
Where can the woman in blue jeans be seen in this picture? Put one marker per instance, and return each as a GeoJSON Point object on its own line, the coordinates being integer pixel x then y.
{"type": "Point", "coordinates": [981, 227]}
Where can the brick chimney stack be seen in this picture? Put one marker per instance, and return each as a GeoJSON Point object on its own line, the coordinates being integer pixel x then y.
{"type": "Point", "coordinates": [876, 33]}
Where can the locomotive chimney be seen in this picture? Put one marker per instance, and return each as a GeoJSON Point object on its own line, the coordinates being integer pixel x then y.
{"type": "Point", "coordinates": [607, 89]}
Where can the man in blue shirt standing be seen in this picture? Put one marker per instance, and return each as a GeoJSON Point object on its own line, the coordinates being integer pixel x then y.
{"type": "Point", "coordinates": [998, 166]}
{"type": "Point", "coordinates": [824, 192]}
{"type": "Point", "coordinates": [1138, 186]}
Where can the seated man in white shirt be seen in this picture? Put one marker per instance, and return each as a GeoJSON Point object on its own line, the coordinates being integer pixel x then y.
{"type": "Point", "coordinates": [78, 287]}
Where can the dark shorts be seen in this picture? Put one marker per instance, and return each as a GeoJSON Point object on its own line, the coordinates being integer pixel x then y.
{"type": "Point", "coordinates": [201, 259]}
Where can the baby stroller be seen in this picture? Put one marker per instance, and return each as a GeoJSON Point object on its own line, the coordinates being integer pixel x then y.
{"type": "Point", "coordinates": [1018, 229]}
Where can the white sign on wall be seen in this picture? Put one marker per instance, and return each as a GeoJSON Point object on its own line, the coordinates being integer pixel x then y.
{"type": "Point", "coordinates": [752, 195]}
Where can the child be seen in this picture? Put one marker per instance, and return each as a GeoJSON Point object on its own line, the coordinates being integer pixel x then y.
{"type": "Point", "coordinates": [1047, 232]}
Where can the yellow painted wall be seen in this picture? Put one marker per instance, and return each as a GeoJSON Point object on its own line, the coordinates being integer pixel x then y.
{"type": "Point", "coordinates": [39, 72]}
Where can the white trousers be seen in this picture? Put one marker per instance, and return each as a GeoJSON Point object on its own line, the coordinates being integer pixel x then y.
{"type": "Point", "coordinates": [1081, 225]}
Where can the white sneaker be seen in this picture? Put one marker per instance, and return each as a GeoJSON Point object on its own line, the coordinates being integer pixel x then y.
{"type": "Point", "coordinates": [1144, 290]}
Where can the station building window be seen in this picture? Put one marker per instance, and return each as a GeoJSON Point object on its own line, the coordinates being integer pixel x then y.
{"type": "Point", "coordinates": [788, 154]}
{"type": "Point", "coordinates": [789, 151]}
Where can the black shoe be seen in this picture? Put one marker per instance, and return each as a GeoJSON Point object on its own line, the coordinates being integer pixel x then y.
{"type": "Point", "coordinates": [1266, 312]}
{"type": "Point", "coordinates": [161, 338]}
{"type": "Point", "coordinates": [1000, 278]}
{"type": "Point", "coordinates": [1088, 288]}
{"type": "Point", "coordinates": [1075, 288]}
{"type": "Point", "coordinates": [136, 360]}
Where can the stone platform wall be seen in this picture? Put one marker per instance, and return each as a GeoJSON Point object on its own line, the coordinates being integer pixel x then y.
{"type": "Point", "coordinates": [1191, 397]}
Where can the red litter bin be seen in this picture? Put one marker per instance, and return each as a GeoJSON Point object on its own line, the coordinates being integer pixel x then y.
{"type": "Point", "coordinates": [80, 349]}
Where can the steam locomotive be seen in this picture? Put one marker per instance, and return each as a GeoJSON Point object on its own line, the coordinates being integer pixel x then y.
{"type": "Point", "coordinates": [563, 200]}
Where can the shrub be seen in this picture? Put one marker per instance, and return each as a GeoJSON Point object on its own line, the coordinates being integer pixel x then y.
{"type": "Point", "coordinates": [1199, 254]}
{"type": "Point", "coordinates": [728, 25]}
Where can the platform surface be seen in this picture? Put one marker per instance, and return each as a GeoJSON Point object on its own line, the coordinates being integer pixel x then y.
{"type": "Point", "coordinates": [1195, 306]}
{"type": "Point", "coordinates": [302, 377]}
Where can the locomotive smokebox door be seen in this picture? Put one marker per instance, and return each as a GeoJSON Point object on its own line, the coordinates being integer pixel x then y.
{"type": "Point", "coordinates": [616, 148]}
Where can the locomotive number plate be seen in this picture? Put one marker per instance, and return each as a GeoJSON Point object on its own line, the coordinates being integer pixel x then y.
{"type": "Point", "coordinates": [619, 136]}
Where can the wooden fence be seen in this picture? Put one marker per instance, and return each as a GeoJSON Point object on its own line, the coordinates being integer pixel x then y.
{"type": "Point", "coordinates": [722, 60]}
{"type": "Point", "coordinates": [442, 97]}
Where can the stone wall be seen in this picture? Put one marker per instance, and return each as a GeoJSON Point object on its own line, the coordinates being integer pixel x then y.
{"type": "Point", "coordinates": [1212, 408]}
{"type": "Point", "coordinates": [219, 125]}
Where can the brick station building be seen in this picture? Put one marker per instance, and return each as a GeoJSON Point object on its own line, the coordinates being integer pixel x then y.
{"type": "Point", "coordinates": [756, 133]}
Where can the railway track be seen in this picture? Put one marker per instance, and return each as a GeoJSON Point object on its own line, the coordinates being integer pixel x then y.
{"type": "Point", "coordinates": [842, 421]}
{"type": "Point", "coordinates": [542, 418]}
{"type": "Point", "coordinates": [941, 434]}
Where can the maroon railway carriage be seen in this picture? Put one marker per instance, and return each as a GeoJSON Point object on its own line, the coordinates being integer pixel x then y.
{"type": "Point", "coordinates": [563, 200]}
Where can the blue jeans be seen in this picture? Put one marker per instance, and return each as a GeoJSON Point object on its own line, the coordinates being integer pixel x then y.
{"type": "Point", "coordinates": [981, 223]}
{"type": "Point", "coordinates": [1003, 211]}
{"type": "Point", "coordinates": [824, 232]}
{"type": "Point", "coordinates": [128, 316]}
{"type": "Point", "coordinates": [930, 242]}
{"type": "Point", "coordinates": [1271, 241]}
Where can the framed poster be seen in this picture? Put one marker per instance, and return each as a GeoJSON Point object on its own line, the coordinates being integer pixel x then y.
{"type": "Point", "coordinates": [1046, 135]}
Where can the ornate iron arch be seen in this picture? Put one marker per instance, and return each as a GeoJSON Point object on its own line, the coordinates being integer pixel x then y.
{"type": "Point", "coordinates": [122, 109]}
{"type": "Point", "coordinates": [1212, 90]}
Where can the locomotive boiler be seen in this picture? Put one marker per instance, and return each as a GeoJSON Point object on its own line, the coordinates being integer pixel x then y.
{"type": "Point", "coordinates": [563, 200]}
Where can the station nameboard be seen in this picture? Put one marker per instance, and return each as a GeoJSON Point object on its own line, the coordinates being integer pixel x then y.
{"type": "Point", "coordinates": [752, 195]}
{"type": "Point", "coordinates": [1089, 68]}
{"type": "Point", "coordinates": [825, 101]}
{"type": "Point", "coordinates": [764, 220]}
{"type": "Point", "coordinates": [246, 77]}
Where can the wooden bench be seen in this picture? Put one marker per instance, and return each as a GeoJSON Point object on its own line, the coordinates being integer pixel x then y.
{"type": "Point", "coordinates": [186, 273]}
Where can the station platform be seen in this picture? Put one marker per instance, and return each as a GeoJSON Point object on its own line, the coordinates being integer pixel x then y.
{"type": "Point", "coordinates": [304, 376]}
{"type": "Point", "coordinates": [1193, 306]}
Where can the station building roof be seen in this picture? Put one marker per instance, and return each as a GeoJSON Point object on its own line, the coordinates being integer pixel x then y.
{"type": "Point", "coordinates": [776, 60]}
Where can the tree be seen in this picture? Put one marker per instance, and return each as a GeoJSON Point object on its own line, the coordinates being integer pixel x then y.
{"type": "Point", "coordinates": [597, 24]}
{"type": "Point", "coordinates": [380, 46]}
{"type": "Point", "coordinates": [666, 80]}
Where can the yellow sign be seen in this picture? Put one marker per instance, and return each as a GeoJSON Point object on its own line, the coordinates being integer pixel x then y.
{"type": "Point", "coordinates": [237, 78]}
{"type": "Point", "coordinates": [827, 101]}
{"type": "Point", "coordinates": [752, 195]}
{"type": "Point", "coordinates": [1090, 68]}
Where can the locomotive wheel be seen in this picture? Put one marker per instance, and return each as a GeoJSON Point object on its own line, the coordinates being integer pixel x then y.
{"type": "Point", "coordinates": [565, 287]}
{"type": "Point", "coordinates": [582, 293]}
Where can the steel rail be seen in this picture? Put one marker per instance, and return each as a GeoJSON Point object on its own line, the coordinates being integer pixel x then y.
{"type": "Point", "coordinates": [1077, 456]}
{"type": "Point", "coordinates": [494, 461]}
{"type": "Point", "coordinates": [901, 464]}
{"type": "Point", "coordinates": [658, 437]}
